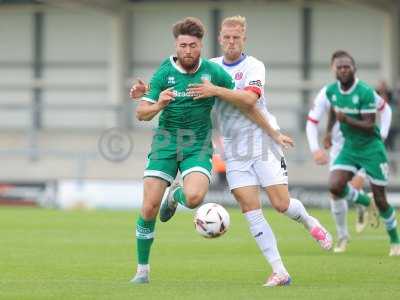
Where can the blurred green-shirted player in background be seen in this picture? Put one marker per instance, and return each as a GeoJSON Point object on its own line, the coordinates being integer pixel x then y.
{"type": "Point", "coordinates": [182, 140]}
{"type": "Point", "coordinates": [353, 105]}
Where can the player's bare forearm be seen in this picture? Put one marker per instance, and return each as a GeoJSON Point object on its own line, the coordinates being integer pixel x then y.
{"type": "Point", "coordinates": [146, 111]}
{"type": "Point", "coordinates": [331, 121]}
{"type": "Point", "coordinates": [366, 124]}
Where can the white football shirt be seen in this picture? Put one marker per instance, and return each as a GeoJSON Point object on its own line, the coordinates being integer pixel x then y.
{"type": "Point", "coordinates": [243, 139]}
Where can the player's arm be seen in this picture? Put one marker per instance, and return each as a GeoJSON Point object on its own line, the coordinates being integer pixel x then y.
{"type": "Point", "coordinates": [255, 115]}
{"type": "Point", "coordinates": [329, 126]}
{"type": "Point", "coordinates": [385, 116]}
{"type": "Point", "coordinates": [366, 124]}
{"type": "Point", "coordinates": [367, 111]}
{"type": "Point", "coordinates": [147, 110]}
{"type": "Point", "coordinates": [320, 107]}
{"type": "Point", "coordinates": [245, 101]}
{"type": "Point", "coordinates": [242, 99]}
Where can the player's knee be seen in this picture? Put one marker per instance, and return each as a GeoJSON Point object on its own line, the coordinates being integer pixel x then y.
{"type": "Point", "coordinates": [149, 211]}
{"type": "Point", "coordinates": [281, 207]}
{"type": "Point", "coordinates": [336, 188]}
{"type": "Point", "coordinates": [280, 204]}
{"type": "Point", "coordinates": [193, 198]}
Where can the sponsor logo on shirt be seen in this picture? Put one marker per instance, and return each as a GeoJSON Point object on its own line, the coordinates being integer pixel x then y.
{"type": "Point", "coordinates": [183, 94]}
{"type": "Point", "coordinates": [255, 83]}
{"type": "Point", "coordinates": [238, 76]}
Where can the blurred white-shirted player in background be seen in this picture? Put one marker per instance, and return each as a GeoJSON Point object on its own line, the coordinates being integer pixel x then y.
{"type": "Point", "coordinates": [253, 155]}
{"type": "Point", "coordinates": [339, 208]}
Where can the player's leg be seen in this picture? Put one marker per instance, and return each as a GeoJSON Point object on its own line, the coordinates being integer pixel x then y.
{"type": "Point", "coordinates": [388, 214]}
{"type": "Point", "coordinates": [272, 175]}
{"type": "Point", "coordinates": [245, 188]}
{"type": "Point", "coordinates": [343, 169]}
{"type": "Point", "coordinates": [339, 207]}
{"type": "Point", "coordinates": [362, 213]}
{"type": "Point", "coordinates": [153, 190]}
{"type": "Point", "coordinates": [378, 172]}
{"type": "Point", "coordinates": [158, 175]}
{"type": "Point", "coordinates": [280, 199]}
{"type": "Point", "coordinates": [196, 173]}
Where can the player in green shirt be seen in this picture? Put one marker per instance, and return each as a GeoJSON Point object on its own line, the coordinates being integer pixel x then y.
{"type": "Point", "coordinates": [353, 105]}
{"type": "Point", "coordinates": [182, 140]}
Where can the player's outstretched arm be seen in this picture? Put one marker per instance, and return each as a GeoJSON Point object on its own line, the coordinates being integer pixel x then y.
{"type": "Point", "coordinates": [146, 111]}
{"type": "Point", "coordinates": [259, 118]}
{"type": "Point", "coordinates": [243, 100]}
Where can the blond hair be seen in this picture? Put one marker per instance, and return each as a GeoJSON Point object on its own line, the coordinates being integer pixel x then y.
{"type": "Point", "coordinates": [234, 21]}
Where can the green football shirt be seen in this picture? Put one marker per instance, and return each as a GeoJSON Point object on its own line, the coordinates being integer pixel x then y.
{"type": "Point", "coordinates": [183, 112]}
{"type": "Point", "coordinates": [354, 102]}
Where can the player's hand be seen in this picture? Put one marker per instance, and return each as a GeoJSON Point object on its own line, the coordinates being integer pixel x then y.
{"type": "Point", "coordinates": [327, 141]}
{"type": "Point", "coordinates": [138, 89]}
{"type": "Point", "coordinates": [320, 157]}
{"type": "Point", "coordinates": [340, 116]}
{"type": "Point", "coordinates": [202, 90]}
{"type": "Point", "coordinates": [166, 96]}
{"type": "Point", "coordinates": [283, 140]}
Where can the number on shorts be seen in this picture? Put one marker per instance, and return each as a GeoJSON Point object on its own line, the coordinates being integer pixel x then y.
{"type": "Point", "coordinates": [385, 170]}
{"type": "Point", "coordinates": [283, 163]}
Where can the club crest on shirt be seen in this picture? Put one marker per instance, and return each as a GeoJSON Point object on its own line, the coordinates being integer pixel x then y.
{"type": "Point", "coordinates": [206, 77]}
{"type": "Point", "coordinates": [238, 75]}
{"type": "Point", "coordinates": [355, 99]}
{"type": "Point", "coordinates": [171, 80]}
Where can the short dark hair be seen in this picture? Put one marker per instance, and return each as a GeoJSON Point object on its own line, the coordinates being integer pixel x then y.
{"type": "Point", "coordinates": [189, 26]}
{"type": "Point", "coordinates": [342, 53]}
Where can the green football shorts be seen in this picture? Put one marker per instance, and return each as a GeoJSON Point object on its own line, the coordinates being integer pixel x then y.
{"type": "Point", "coordinates": [372, 159]}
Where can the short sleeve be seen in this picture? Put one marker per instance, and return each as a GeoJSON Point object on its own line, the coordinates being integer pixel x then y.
{"type": "Point", "coordinates": [156, 86]}
{"type": "Point", "coordinates": [255, 78]}
{"type": "Point", "coordinates": [225, 80]}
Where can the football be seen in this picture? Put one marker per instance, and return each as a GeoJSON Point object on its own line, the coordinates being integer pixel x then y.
{"type": "Point", "coordinates": [211, 220]}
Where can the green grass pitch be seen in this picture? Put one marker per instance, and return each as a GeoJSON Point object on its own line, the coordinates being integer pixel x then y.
{"type": "Point", "coordinates": [49, 254]}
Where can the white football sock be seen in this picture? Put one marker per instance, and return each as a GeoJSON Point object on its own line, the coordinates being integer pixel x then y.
{"type": "Point", "coordinates": [143, 268]}
{"type": "Point", "coordinates": [339, 212]}
{"type": "Point", "coordinates": [297, 212]}
{"type": "Point", "coordinates": [265, 239]}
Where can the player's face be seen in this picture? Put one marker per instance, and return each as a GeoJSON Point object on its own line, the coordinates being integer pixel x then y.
{"type": "Point", "coordinates": [232, 39]}
{"type": "Point", "coordinates": [188, 51]}
{"type": "Point", "coordinates": [344, 69]}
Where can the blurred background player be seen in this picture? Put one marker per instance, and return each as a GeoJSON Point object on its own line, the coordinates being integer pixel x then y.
{"type": "Point", "coordinates": [339, 208]}
{"type": "Point", "coordinates": [182, 140]}
{"type": "Point", "coordinates": [353, 105]}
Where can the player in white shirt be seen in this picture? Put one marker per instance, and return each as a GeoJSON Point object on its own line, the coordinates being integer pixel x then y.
{"type": "Point", "coordinates": [254, 158]}
{"type": "Point", "coordinates": [339, 208]}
